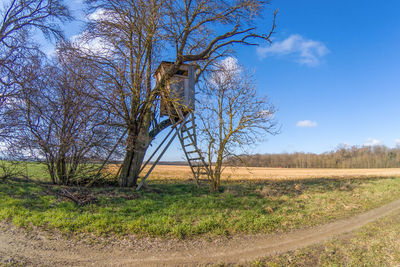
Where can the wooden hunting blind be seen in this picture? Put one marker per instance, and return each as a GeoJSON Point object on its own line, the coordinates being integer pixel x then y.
{"type": "Point", "coordinates": [177, 102]}
{"type": "Point", "coordinates": [179, 90]}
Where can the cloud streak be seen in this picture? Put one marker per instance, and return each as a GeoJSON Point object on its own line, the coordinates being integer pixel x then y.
{"type": "Point", "coordinates": [306, 123]}
{"type": "Point", "coordinates": [304, 51]}
{"type": "Point", "coordinates": [372, 142]}
{"type": "Point", "coordinates": [99, 46]}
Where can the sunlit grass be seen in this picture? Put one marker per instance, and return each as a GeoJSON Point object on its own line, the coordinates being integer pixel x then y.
{"type": "Point", "coordinates": [376, 244]}
{"type": "Point", "coordinates": [180, 209]}
{"type": "Point", "coordinates": [33, 170]}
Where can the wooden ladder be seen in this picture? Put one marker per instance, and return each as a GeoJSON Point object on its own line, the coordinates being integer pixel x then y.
{"type": "Point", "coordinates": [188, 139]}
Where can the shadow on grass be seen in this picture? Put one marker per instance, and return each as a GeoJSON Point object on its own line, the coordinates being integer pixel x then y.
{"type": "Point", "coordinates": [179, 208]}
{"type": "Point", "coordinates": [19, 188]}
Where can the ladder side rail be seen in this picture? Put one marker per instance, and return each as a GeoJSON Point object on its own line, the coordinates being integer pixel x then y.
{"type": "Point", "coordinates": [158, 148]}
{"type": "Point", "coordinates": [199, 153]}
{"type": "Point", "coordinates": [180, 114]}
{"type": "Point", "coordinates": [194, 144]}
{"type": "Point", "coordinates": [186, 154]}
{"type": "Point", "coordinates": [194, 131]}
{"type": "Point", "coordinates": [158, 159]}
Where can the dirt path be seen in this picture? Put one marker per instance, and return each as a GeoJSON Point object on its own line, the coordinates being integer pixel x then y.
{"type": "Point", "coordinates": [41, 248]}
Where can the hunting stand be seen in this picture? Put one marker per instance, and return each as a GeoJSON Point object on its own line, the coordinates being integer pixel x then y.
{"type": "Point", "coordinates": [178, 103]}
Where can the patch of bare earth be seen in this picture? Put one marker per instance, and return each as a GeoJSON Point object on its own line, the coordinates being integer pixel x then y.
{"type": "Point", "coordinates": [35, 247]}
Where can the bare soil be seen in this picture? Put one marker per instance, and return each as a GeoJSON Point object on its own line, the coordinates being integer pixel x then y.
{"type": "Point", "coordinates": [35, 247]}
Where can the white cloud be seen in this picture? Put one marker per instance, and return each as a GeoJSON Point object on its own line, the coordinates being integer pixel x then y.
{"type": "Point", "coordinates": [102, 14]}
{"type": "Point", "coordinates": [267, 114]}
{"type": "Point", "coordinates": [306, 123]}
{"type": "Point", "coordinates": [305, 51]}
{"type": "Point", "coordinates": [397, 141]}
{"type": "Point", "coordinates": [372, 142]}
{"type": "Point", "coordinates": [99, 14]}
{"type": "Point", "coordinates": [99, 46]}
{"type": "Point", "coordinates": [50, 52]}
{"type": "Point", "coordinates": [96, 45]}
{"type": "Point", "coordinates": [226, 68]}
{"type": "Point", "coordinates": [229, 64]}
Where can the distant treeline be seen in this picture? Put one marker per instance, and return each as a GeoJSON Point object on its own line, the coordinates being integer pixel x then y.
{"type": "Point", "coordinates": [342, 157]}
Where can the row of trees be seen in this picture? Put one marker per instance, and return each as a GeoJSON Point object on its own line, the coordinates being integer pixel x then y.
{"type": "Point", "coordinates": [342, 157]}
{"type": "Point", "coordinates": [96, 100]}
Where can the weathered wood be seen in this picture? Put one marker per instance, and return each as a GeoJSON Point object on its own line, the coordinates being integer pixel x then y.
{"type": "Point", "coordinates": [159, 157]}
{"type": "Point", "coordinates": [191, 148]}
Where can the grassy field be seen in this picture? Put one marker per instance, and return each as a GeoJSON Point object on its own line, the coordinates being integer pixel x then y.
{"type": "Point", "coordinates": [34, 170]}
{"type": "Point", "coordinates": [257, 200]}
{"type": "Point", "coordinates": [175, 208]}
{"type": "Point", "coordinates": [377, 244]}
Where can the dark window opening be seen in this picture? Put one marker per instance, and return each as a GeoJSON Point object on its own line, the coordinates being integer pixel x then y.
{"type": "Point", "coordinates": [182, 72]}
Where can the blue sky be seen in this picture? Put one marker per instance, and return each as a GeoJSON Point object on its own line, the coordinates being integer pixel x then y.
{"type": "Point", "coordinates": [332, 71]}
{"type": "Point", "coordinates": [350, 90]}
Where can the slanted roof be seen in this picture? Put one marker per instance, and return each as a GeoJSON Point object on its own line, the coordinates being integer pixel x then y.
{"type": "Point", "coordinates": [166, 64]}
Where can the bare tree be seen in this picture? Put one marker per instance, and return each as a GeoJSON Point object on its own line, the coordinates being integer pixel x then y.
{"type": "Point", "coordinates": [62, 123]}
{"type": "Point", "coordinates": [134, 35]}
{"type": "Point", "coordinates": [19, 19]}
{"type": "Point", "coordinates": [233, 116]}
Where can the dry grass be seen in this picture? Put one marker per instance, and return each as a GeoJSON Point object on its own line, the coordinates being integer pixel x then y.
{"type": "Point", "coordinates": [376, 244]}
{"type": "Point", "coordinates": [258, 173]}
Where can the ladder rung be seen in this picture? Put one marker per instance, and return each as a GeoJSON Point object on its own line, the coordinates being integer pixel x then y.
{"type": "Point", "coordinates": [190, 128]}
{"type": "Point", "coordinates": [190, 152]}
{"type": "Point", "coordinates": [195, 159]}
{"type": "Point", "coordinates": [191, 144]}
{"type": "Point", "coordinates": [201, 167]}
{"type": "Point", "coordinates": [185, 137]}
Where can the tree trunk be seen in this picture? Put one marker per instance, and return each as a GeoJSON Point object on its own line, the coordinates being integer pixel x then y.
{"type": "Point", "coordinates": [216, 182]}
{"type": "Point", "coordinates": [136, 150]}
{"type": "Point", "coordinates": [126, 165]}
{"type": "Point", "coordinates": [62, 170]}
{"type": "Point", "coordinates": [133, 160]}
{"type": "Point", "coordinates": [216, 174]}
{"type": "Point", "coordinates": [137, 144]}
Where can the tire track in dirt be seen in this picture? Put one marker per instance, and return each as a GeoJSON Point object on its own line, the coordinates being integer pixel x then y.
{"type": "Point", "coordinates": [39, 248]}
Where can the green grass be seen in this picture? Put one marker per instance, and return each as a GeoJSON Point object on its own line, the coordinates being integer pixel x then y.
{"type": "Point", "coordinates": [179, 209]}
{"type": "Point", "coordinates": [35, 170]}
{"type": "Point", "coordinates": [376, 244]}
